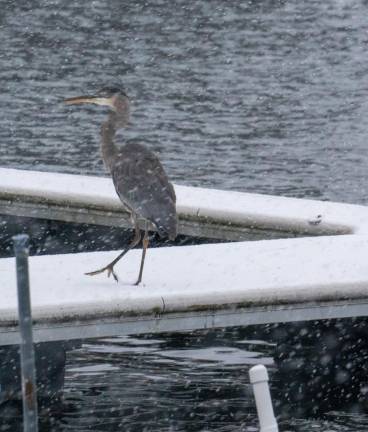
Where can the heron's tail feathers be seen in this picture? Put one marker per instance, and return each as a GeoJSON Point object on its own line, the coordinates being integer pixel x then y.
{"type": "Point", "coordinates": [168, 227]}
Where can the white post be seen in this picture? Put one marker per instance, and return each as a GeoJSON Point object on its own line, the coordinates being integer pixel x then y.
{"type": "Point", "coordinates": [259, 379]}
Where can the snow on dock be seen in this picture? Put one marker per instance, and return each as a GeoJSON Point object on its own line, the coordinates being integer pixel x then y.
{"type": "Point", "coordinates": [271, 275]}
{"type": "Point", "coordinates": [205, 212]}
{"type": "Point", "coordinates": [187, 287]}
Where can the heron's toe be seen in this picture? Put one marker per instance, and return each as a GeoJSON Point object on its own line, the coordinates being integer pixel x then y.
{"type": "Point", "coordinates": [110, 271]}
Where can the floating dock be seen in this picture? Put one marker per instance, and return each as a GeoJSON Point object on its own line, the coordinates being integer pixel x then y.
{"type": "Point", "coordinates": [210, 213]}
{"type": "Point", "coordinates": [189, 287]}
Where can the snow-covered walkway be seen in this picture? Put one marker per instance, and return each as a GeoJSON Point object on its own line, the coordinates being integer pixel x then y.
{"type": "Point", "coordinates": [204, 280]}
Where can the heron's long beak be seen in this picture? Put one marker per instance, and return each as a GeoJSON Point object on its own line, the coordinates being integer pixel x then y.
{"type": "Point", "coordinates": [89, 100]}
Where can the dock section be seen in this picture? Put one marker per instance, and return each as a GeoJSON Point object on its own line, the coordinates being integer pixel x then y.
{"type": "Point", "coordinates": [191, 287]}
{"type": "Point", "coordinates": [210, 213]}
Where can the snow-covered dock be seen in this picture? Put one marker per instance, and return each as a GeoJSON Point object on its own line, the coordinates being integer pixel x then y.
{"type": "Point", "coordinates": [192, 287]}
{"type": "Point", "coordinates": [187, 287]}
{"type": "Point", "coordinates": [202, 212]}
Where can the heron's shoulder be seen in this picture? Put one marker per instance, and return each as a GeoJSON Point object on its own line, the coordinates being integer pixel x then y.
{"type": "Point", "coordinates": [137, 155]}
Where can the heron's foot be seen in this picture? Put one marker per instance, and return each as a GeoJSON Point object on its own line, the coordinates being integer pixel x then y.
{"type": "Point", "coordinates": [109, 269]}
{"type": "Point", "coordinates": [138, 282]}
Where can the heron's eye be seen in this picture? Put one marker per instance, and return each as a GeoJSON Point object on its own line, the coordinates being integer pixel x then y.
{"type": "Point", "coordinates": [104, 93]}
{"type": "Point", "coordinates": [108, 92]}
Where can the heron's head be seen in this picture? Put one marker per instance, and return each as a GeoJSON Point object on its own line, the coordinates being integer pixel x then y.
{"type": "Point", "coordinates": [112, 97]}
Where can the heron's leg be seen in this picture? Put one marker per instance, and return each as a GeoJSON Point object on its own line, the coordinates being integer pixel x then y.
{"type": "Point", "coordinates": [110, 267]}
{"type": "Point", "coordinates": [145, 246]}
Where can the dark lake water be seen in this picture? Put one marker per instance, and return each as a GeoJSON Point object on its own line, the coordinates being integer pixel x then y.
{"type": "Point", "coordinates": [199, 381]}
{"type": "Point", "coordinates": [263, 96]}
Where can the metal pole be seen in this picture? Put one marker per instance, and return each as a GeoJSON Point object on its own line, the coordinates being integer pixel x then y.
{"type": "Point", "coordinates": [259, 379]}
{"type": "Point", "coordinates": [29, 393]}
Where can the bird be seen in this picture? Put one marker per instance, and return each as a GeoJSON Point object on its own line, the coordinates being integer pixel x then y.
{"type": "Point", "coordinates": [139, 178]}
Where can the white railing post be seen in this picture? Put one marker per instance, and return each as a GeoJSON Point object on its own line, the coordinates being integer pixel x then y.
{"type": "Point", "coordinates": [259, 380]}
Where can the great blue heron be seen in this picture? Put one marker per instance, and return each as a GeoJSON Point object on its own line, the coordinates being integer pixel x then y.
{"type": "Point", "coordinates": [139, 178]}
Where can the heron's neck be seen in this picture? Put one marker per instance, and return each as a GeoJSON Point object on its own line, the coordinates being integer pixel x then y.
{"type": "Point", "coordinates": [108, 147]}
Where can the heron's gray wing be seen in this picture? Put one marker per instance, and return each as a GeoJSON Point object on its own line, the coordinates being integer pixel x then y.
{"type": "Point", "coordinates": [142, 185]}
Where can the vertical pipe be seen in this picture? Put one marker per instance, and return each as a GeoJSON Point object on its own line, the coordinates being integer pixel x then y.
{"type": "Point", "coordinates": [259, 379]}
{"type": "Point", "coordinates": [30, 421]}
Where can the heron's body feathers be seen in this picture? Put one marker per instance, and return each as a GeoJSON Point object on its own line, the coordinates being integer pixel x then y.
{"type": "Point", "coordinates": [143, 186]}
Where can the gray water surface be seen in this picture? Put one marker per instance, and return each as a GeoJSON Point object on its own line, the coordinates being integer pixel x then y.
{"type": "Point", "coordinates": [265, 96]}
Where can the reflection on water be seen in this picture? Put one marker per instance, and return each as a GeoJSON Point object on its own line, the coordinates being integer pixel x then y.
{"type": "Point", "coordinates": [199, 381]}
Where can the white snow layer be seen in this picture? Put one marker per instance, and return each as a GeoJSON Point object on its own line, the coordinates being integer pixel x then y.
{"type": "Point", "coordinates": [236, 207]}
{"type": "Point", "coordinates": [261, 272]}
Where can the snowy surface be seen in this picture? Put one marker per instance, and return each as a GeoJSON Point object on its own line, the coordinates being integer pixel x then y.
{"type": "Point", "coordinates": [260, 272]}
{"type": "Point", "coordinates": [244, 208]}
